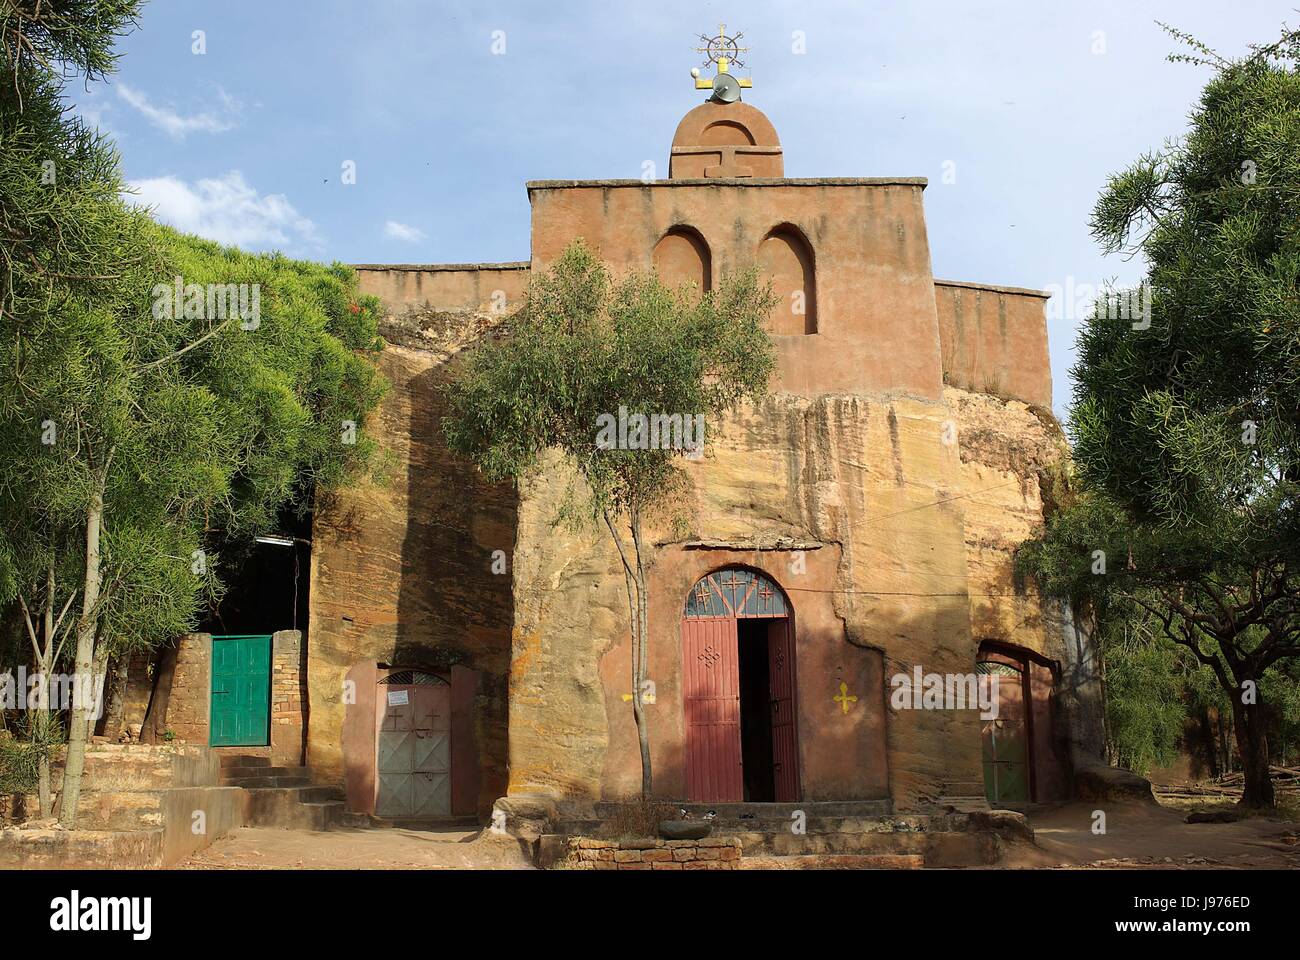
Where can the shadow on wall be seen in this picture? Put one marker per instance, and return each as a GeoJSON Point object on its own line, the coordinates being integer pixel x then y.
{"type": "Point", "coordinates": [453, 610]}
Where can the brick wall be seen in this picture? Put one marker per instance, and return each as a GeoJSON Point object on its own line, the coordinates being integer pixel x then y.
{"type": "Point", "coordinates": [287, 698]}
{"type": "Point", "coordinates": [711, 853]}
{"type": "Point", "coordinates": [190, 705]}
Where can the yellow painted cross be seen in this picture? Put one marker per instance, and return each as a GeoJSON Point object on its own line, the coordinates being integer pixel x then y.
{"type": "Point", "coordinates": [845, 698]}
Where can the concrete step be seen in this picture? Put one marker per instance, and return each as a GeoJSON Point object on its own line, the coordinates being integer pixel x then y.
{"type": "Point", "coordinates": [847, 816]}
{"type": "Point", "coordinates": [296, 780]}
{"type": "Point", "coordinates": [230, 772]}
{"type": "Point", "coordinates": [294, 808]}
{"type": "Point", "coordinates": [320, 793]}
{"type": "Point", "coordinates": [780, 811]}
{"type": "Point", "coordinates": [324, 816]}
{"type": "Point", "coordinates": [243, 760]}
{"type": "Point", "coordinates": [735, 817]}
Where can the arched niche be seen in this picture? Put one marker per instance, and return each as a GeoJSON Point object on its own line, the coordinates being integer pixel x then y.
{"type": "Point", "coordinates": [682, 257]}
{"type": "Point", "coordinates": [786, 258]}
{"type": "Point", "coordinates": [727, 133]}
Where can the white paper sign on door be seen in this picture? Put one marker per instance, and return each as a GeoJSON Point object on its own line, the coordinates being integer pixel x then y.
{"type": "Point", "coordinates": [399, 698]}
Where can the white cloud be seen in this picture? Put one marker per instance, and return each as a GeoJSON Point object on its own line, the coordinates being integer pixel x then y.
{"type": "Point", "coordinates": [400, 231]}
{"type": "Point", "coordinates": [177, 126]}
{"type": "Point", "coordinates": [226, 209]}
{"type": "Point", "coordinates": [94, 108]}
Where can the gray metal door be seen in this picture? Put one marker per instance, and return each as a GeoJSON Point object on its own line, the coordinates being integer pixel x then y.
{"type": "Point", "coordinates": [414, 748]}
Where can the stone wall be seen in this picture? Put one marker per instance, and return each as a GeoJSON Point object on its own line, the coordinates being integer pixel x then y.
{"type": "Point", "coordinates": [288, 686]}
{"type": "Point", "coordinates": [877, 329]}
{"type": "Point", "coordinates": [1011, 458]}
{"type": "Point", "coordinates": [994, 340]}
{"type": "Point", "coordinates": [189, 707]}
{"type": "Point", "coordinates": [711, 853]}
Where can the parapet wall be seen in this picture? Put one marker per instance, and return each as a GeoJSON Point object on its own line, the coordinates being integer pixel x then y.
{"type": "Point", "coordinates": [994, 340]}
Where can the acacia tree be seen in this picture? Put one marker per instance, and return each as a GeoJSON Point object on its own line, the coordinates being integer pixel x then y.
{"type": "Point", "coordinates": [1186, 427]}
{"type": "Point", "coordinates": [585, 348]}
{"type": "Point", "coordinates": [137, 422]}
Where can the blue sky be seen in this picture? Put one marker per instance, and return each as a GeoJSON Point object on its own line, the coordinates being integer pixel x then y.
{"type": "Point", "coordinates": [1030, 104]}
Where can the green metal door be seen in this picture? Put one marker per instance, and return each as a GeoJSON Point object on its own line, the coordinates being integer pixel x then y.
{"type": "Point", "coordinates": [1006, 753]}
{"type": "Point", "coordinates": [241, 691]}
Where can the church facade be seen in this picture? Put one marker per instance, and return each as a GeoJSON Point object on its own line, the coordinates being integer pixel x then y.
{"type": "Point", "coordinates": [846, 564]}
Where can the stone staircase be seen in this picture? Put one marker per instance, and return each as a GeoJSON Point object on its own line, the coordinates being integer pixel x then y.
{"type": "Point", "coordinates": [139, 807]}
{"type": "Point", "coordinates": [284, 797]}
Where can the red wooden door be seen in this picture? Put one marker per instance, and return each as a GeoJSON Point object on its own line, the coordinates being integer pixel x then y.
{"type": "Point", "coordinates": [711, 693]}
{"type": "Point", "coordinates": [785, 750]}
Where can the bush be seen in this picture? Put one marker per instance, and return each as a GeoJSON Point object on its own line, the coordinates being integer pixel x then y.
{"type": "Point", "coordinates": [18, 765]}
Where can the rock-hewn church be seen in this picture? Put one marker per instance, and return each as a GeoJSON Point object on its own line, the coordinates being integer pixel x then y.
{"type": "Point", "coordinates": [855, 528]}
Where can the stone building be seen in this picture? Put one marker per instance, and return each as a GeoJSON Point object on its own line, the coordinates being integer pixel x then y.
{"type": "Point", "coordinates": [856, 527]}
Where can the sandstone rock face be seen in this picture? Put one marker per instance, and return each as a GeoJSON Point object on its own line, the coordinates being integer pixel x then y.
{"type": "Point", "coordinates": [402, 566]}
{"type": "Point", "coordinates": [915, 509]}
{"type": "Point", "coordinates": [888, 517]}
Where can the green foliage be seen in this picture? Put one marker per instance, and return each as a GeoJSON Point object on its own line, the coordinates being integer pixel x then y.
{"type": "Point", "coordinates": [203, 446]}
{"type": "Point", "coordinates": [1145, 708]}
{"type": "Point", "coordinates": [585, 346]}
{"type": "Point", "coordinates": [19, 765]}
{"type": "Point", "coordinates": [198, 430]}
{"type": "Point", "coordinates": [1186, 434]}
{"type": "Point", "coordinates": [1160, 413]}
{"type": "Point", "coordinates": [65, 36]}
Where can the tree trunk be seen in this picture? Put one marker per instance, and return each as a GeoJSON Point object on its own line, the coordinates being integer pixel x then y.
{"type": "Point", "coordinates": [1248, 722]}
{"type": "Point", "coordinates": [155, 717]}
{"type": "Point", "coordinates": [641, 660]}
{"type": "Point", "coordinates": [41, 729]}
{"type": "Point", "coordinates": [85, 662]}
{"type": "Point", "coordinates": [41, 726]}
{"type": "Point", "coordinates": [115, 699]}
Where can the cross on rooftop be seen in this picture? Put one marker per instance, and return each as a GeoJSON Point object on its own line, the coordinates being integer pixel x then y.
{"type": "Point", "coordinates": [722, 49]}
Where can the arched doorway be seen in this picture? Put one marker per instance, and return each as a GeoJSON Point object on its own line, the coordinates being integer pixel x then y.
{"type": "Point", "coordinates": [738, 690]}
{"type": "Point", "coordinates": [1005, 738]}
{"type": "Point", "coordinates": [1023, 760]}
{"type": "Point", "coordinates": [413, 745]}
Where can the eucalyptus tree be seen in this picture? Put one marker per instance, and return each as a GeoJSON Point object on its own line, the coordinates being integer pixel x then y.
{"type": "Point", "coordinates": [585, 367]}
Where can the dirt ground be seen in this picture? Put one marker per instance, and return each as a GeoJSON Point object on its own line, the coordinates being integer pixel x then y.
{"type": "Point", "coordinates": [1148, 836]}
{"type": "Point", "coordinates": [253, 848]}
{"type": "Point", "coordinates": [1137, 836]}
